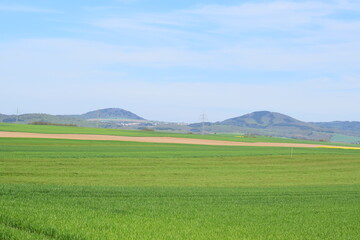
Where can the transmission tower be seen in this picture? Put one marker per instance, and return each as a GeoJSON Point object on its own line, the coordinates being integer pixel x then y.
{"type": "Point", "coordinates": [17, 115]}
{"type": "Point", "coordinates": [98, 118]}
{"type": "Point", "coordinates": [203, 117]}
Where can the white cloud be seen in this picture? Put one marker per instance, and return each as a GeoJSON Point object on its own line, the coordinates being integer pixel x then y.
{"type": "Point", "coordinates": [76, 55]}
{"type": "Point", "coordinates": [71, 59]}
{"type": "Point", "coordinates": [276, 15]}
{"type": "Point", "coordinates": [273, 15]}
{"type": "Point", "coordinates": [277, 35]}
{"type": "Point", "coordinates": [24, 8]}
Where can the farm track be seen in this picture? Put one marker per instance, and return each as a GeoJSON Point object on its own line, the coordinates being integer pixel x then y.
{"type": "Point", "coordinates": [159, 140]}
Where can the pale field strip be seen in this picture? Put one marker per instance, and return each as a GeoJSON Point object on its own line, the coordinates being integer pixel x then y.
{"type": "Point", "coordinates": [161, 140]}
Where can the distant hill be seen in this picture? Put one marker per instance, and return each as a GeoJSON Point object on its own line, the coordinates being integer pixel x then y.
{"type": "Point", "coordinates": [281, 125]}
{"type": "Point", "coordinates": [108, 113]}
{"type": "Point", "coordinates": [41, 117]}
{"type": "Point", "coordinates": [268, 123]}
{"type": "Point", "coordinates": [79, 120]}
{"type": "Point", "coordinates": [266, 119]}
{"type": "Point", "coordinates": [351, 128]}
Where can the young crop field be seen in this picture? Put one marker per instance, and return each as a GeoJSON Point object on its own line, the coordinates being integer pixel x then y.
{"type": "Point", "coordinates": [135, 133]}
{"type": "Point", "coordinates": [85, 190]}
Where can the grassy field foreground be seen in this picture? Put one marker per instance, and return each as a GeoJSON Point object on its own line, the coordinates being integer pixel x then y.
{"type": "Point", "coordinates": [63, 212]}
{"type": "Point", "coordinates": [78, 190]}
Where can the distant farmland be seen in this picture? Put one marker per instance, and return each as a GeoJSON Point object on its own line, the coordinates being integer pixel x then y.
{"type": "Point", "coordinates": [79, 189]}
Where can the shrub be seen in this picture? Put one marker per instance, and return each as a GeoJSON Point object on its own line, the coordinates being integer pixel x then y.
{"type": "Point", "coordinates": [52, 124]}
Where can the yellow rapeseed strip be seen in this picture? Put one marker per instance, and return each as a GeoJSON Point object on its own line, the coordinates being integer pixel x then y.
{"type": "Point", "coordinates": [355, 148]}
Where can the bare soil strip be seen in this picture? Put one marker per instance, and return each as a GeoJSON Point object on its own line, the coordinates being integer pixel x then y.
{"type": "Point", "coordinates": [158, 140]}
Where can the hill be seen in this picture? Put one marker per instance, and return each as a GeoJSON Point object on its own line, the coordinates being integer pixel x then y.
{"type": "Point", "coordinates": [83, 120]}
{"type": "Point", "coordinates": [41, 117]}
{"type": "Point", "coordinates": [266, 119]}
{"type": "Point", "coordinates": [352, 128]}
{"type": "Point", "coordinates": [108, 113]}
{"type": "Point", "coordinates": [271, 124]}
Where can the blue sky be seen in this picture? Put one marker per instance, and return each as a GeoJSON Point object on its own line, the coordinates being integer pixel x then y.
{"type": "Point", "coordinates": [173, 60]}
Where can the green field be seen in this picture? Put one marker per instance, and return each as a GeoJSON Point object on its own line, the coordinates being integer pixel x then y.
{"type": "Point", "coordinates": [71, 189]}
{"type": "Point", "coordinates": [135, 133]}
{"type": "Point", "coordinates": [345, 138]}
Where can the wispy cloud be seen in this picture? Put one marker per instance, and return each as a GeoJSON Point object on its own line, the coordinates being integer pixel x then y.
{"type": "Point", "coordinates": [79, 54]}
{"type": "Point", "coordinates": [24, 8]}
{"type": "Point", "coordinates": [275, 15]}
{"type": "Point", "coordinates": [148, 26]}
{"type": "Point", "coordinates": [272, 35]}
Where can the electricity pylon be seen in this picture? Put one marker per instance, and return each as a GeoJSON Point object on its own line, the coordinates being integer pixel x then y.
{"type": "Point", "coordinates": [203, 117]}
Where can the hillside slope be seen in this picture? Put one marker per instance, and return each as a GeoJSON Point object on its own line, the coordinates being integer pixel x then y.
{"type": "Point", "coordinates": [348, 127]}
{"type": "Point", "coordinates": [268, 123]}
{"type": "Point", "coordinates": [80, 120]}
{"type": "Point", "coordinates": [108, 113]}
{"type": "Point", "coordinates": [41, 117]}
{"type": "Point", "coordinates": [266, 119]}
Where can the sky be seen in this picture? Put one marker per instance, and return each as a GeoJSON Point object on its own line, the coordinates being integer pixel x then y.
{"type": "Point", "coordinates": [174, 60]}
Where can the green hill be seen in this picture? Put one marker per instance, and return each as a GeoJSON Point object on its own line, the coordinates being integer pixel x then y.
{"type": "Point", "coordinates": [44, 118]}
{"type": "Point", "coordinates": [266, 119]}
{"type": "Point", "coordinates": [348, 127]}
{"type": "Point", "coordinates": [270, 124]}
{"type": "Point", "coordinates": [79, 120]}
{"type": "Point", "coordinates": [108, 113]}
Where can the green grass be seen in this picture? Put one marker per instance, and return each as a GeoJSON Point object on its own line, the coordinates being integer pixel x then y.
{"type": "Point", "coordinates": [54, 212]}
{"type": "Point", "coordinates": [135, 133]}
{"type": "Point", "coordinates": [80, 190]}
{"type": "Point", "coordinates": [72, 162]}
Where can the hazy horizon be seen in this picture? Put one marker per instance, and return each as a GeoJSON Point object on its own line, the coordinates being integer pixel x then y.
{"type": "Point", "coordinates": [161, 120]}
{"type": "Point", "coordinates": [173, 61]}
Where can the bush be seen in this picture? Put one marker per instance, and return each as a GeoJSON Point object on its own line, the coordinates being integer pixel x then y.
{"type": "Point", "coordinates": [52, 124]}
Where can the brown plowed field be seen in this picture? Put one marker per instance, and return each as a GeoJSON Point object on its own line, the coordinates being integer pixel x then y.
{"type": "Point", "coordinates": [154, 140]}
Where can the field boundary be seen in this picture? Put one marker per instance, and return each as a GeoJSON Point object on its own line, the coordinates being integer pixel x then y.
{"type": "Point", "coordinates": [161, 140]}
